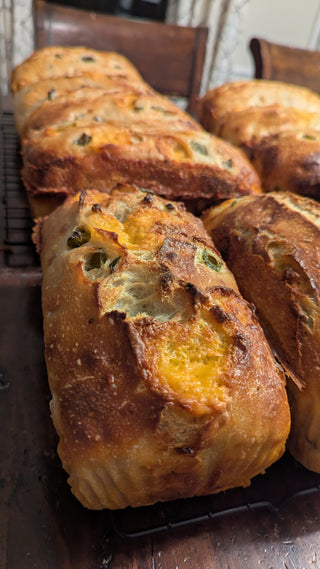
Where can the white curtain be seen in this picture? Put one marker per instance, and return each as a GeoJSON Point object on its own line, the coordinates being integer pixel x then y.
{"type": "Point", "coordinates": [16, 37]}
{"type": "Point", "coordinates": [224, 19]}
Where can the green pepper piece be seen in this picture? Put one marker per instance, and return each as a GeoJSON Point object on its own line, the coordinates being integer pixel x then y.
{"type": "Point", "coordinates": [83, 140]}
{"type": "Point", "coordinates": [87, 58]}
{"type": "Point", "coordinates": [78, 237]}
{"type": "Point", "coordinates": [197, 147]}
{"type": "Point", "coordinates": [52, 94]}
{"type": "Point", "coordinates": [211, 261]}
{"type": "Point", "coordinates": [113, 264]}
{"type": "Point", "coordinates": [228, 164]}
{"type": "Point", "coordinates": [96, 260]}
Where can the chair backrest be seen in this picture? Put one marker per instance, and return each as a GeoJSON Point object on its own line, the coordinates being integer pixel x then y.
{"type": "Point", "coordinates": [284, 63]}
{"type": "Point", "coordinates": [169, 57]}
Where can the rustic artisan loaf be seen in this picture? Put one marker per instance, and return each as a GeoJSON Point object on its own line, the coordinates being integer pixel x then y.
{"type": "Point", "coordinates": [290, 161]}
{"type": "Point", "coordinates": [238, 96]}
{"type": "Point", "coordinates": [39, 96]}
{"type": "Point", "coordinates": [53, 62]}
{"type": "Point", "coordinates": [78, 136]}
{"type": "Point", "coordinates": [131, 105]}
{"type": "Point", "coordinates": [277, 125]}
{"type": "Point", "coordinates": [189, 165]}
{"type": "Point", "coordinates": [248, 128]}
{"type": "Point", "coordinates": [271, 243]}
{"type": "Point", "coordinates": [163, 384]}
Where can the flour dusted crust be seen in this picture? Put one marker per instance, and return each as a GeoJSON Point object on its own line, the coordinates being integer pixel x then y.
{"type": "Point", "coordinates": [271, 244]}
{"type": "Point", "coordinates": [163, 384]}
{"type": "Point", "coordinates": [53, 62]}
{"type": "Point", "coordinates": [107, 123]}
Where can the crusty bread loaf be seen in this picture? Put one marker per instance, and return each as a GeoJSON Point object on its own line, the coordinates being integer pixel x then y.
{"type": "Point", "coordinates": [289, 161]}
{"type": "Point", "coordinates": [163, 384]}
{"type": "Point", "coordinates": [81, 135]}
{"type": "Point", "coordinates": [239, 96]}
{"type": "Point", "coordinates": [131, 105]}
{"type": "Point", "coordinates": [27, 100]}
{"type": "Point", "coordinates": [53, 62]}
{"type": "Point", "coordinates": [247, 128]}
{"type": "Point", "coordinates": [277, 125]}
{"type": "Point", "coordinates": [189, 165]}
{"type": "Point", "coordinates": [272, 245]}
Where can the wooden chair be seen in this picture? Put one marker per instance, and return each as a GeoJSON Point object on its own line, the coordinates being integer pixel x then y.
{"type": "Point", "coordinates": [169, 57]}
{"type": "Point", "coordinates": [284, 63]}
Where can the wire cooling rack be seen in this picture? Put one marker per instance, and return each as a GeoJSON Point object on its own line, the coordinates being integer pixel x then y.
{"type": "Point", "coordinates": [16, 222]}
{"type": "Point", "coordinates": [284, 481]}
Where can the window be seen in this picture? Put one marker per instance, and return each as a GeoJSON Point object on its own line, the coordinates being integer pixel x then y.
{"type": "Point", "coordinates": [150, 9]}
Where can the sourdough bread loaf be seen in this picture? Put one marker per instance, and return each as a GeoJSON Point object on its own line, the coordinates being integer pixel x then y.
{"type": "Point", "coordinates": [191, 165]}
{"type": "Point", "coordinates": [122, 105]}
{"type": "Point", "coordinates": [276, 124]}
{"type": "Point", "coordinates": [271, 243]}
{"type": "Point", "coordinates": [248, 128]}
{"type": "Point", "coordinates": [107, 123]}
{"type": "Point", "coordinates": [54, 62]}
{"type": "Point", "coordinates": [239, 96]}
{"type": "Point", "coordinates": [87, 87]}
{"type": "Point", "coordinates": [289, 161]}
{"type": "Point", "coordinates": [163, 384]}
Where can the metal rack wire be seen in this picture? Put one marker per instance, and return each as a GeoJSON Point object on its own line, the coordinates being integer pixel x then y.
{"type": "Point", "coordinates": [16, 222]}
{"type": "Point", "coordinates": [284, 481]}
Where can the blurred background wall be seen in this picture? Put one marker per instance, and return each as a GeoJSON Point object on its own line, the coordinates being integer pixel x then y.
{"type": "Point", "coordinates": [231, 24]}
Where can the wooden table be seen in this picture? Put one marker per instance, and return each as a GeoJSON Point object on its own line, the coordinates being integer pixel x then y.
{"type": "Point", "coordinates": [42, 526]}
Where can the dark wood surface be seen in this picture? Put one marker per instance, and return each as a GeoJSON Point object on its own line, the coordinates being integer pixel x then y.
{"type": "Point", "coordinates": [286, 63]}
{"type": "Point", "coordinates": [149, 45]}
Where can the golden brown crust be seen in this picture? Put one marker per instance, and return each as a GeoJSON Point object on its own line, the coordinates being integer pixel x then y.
{"type": "Point", "coordinates": [40, 96]}
{"type": "Point", "coordinates": [131, 105]}
{"type": "Point", "coordinates": [271, 243]}
{"type": "Point", "coordinates": [277, 125]}
{"type": "Point", "coordinates": [53, 62]}
{"type": "Point", "coordinates": [163, 383]}
{"type": "Point", "coordinates": [289, 161]}
{"type": "Point", "coordinates": [180, 165]}
{"type": "Point", "coordinates": [89, 134]}
{"type": "Point", "coordinates": [247, 128]}
{"type": "Point", "coordinates": [238, 96]}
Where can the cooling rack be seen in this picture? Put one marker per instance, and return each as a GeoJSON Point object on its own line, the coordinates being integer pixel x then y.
{"type": "Point", "coordinates": [284, 481]}
{"type": "Point", "coordinates": [16, 247]}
